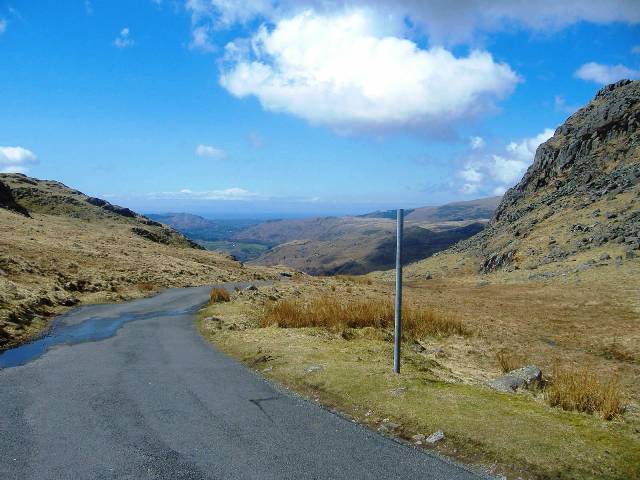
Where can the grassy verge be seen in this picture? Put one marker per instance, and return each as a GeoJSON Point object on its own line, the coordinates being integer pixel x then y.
{"type": "Point", "coordinates": [517, 435]}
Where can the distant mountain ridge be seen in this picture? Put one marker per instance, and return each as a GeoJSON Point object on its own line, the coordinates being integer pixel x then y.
{"type": "Point", "coordinates": [361, 244]}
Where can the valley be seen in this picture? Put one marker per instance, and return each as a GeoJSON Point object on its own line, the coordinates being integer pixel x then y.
{"type": "Point", "coordinates": [337, 245]}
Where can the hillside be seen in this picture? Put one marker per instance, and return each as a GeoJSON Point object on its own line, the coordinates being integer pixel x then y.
{"type": "Point", "coordinates": [59, 247]}
{"type": "Point", "coordinates": [359, 252]}
{"type": "Point", "coordinates": [361, 244]}
{"type": "Point", "coordinates": [577, 207]}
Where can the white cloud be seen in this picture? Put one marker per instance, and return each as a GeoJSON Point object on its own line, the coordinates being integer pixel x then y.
{"type": "Point", "coordinates": [337, 71]}
{"type": "Point", "coordinates": [16, 159]}
{"type": "Point", "coordinates": [471, 174]}
{"type": "Point", "coordinates": [209, 151]}
{"type": "Point", "coordinates": [123, 40]}
{"type": "Point", "coordinates": [446, 22]}
{"type": "Point", "coordinates": [526, 148]}
{"type": "Point", "coordinates": [476, 143]}
{"type": "Point", "coordinates": [635, 49]}
{"type": "Point", "coordinates": [88, 7]}
{"type": "Point", "coordinates": [228, 194]}
{"type": "Point", "coordinates": [605, 74]}
{"type": "Point", "coordinates": [494, 172]}
{"type": "Point", "coordinates": [201, 39]}
{"type": "Point", "coordinates": [3, 25]}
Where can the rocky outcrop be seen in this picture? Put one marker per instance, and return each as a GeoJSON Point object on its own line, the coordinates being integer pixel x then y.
{"type": "Point", "coordinates": [593, 157]}
{"type": "Point", "coordinates": [7, 201]}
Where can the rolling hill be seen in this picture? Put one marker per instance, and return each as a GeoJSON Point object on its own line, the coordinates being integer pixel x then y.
{"type": "Point", "coordinates": [59, 247]}
{"type": "Point", "coordinates": [361, 244]}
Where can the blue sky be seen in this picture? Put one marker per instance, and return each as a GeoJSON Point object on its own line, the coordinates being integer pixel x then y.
{"type": "Point", "coordinates": [260, 108]}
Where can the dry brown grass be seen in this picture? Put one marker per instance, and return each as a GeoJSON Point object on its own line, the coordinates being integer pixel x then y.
{"type": "Point", "coordinates": [579, 389]}
{"type": "Point", "coordinates": [335, 315]}
{"type": "Point", "coordinates": [510, 361]}
{"type": "Point", "coordinates": [615, 351]}
{"type": "Point", "coordinates": [355, 279]}
{"type": "Point", "coordinates": [218, 295]}
{"type": "Point", "coordinates": [145, 286]}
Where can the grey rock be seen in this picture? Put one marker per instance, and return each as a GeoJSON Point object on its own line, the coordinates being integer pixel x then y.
{"type": "Point", "coordinates": [313, 368]}
{"type": "Point", "coordinates": [507, 384]}
{"type": "Point", "coordinates": [419, 438]}
{"type": "Point", "coordinates": [388, 427]}
{"type": "Point", "coordinates": [604, 257]}
{"type": "Point", "coordinates": [525, 377]}
{"type": "Point", "coordinates": [427, 276]}
{"type": "Point", "coordinates": [398, 392]}
{"type": "Point", "coordinates": [251, 288]}
{"type": "Point", "coordinates": [530, 374]}
{"type": "Point", "coordinates": [435, 437]}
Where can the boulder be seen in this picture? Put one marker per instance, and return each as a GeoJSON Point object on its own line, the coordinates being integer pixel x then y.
{"type": "Point", "coordinates": [435, 437]}
{"type": "Point", "coordinates": [525, 377]}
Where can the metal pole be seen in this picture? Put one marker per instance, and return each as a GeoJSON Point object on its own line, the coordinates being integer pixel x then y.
{"type": "Point", "coordinates": [398, 317]}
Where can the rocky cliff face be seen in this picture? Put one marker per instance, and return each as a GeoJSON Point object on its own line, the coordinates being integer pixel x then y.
{"type": "Point", "coordinates": [581, 192]}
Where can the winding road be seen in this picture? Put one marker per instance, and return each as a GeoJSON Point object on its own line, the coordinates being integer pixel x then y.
{"type": "Point", "coordinates": [131, 391]}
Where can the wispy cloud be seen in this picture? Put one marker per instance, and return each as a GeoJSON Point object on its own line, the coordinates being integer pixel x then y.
{"type": "Point", "coordinates": [16, 159]}
{"type": "Point", "coordinates": [495, 171]}
{"type": "Point", "coordinates": [228, 194]}
{"type": "Point", "coordinates": [605, 74]}
{"type": "Point", "coordinates": [3, 25]}
{"type": "Point", "coordinates": [123, 40]}
{"type": "Point", "coordinates": [476, 143]}
{"type": "Point", "coordinates": [201, 39]}
{"type": "Point", "coordinates": [560, 104]}
{"type": "Point", "coordinates": [445, 22]}
{"type": "Point", "coordinates": [210, 151]}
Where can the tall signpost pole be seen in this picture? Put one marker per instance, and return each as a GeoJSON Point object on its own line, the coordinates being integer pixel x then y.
{"type": "Point", "coordinates": [398, 312]}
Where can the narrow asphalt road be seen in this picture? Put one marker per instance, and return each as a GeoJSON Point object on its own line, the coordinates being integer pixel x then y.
{"type": "Point", "coordinates": [151, 400]}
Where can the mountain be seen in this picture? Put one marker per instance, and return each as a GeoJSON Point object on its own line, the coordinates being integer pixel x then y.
{"type": "Point", "coordinates": [578, 206]}
{"type": "Point", "coordinates": [59, 247]}
{"type": "Point", "coordinates": [361, 244]}
{"type": "Point", "coordinates": [482, 208]}
{"type": "Point", "coordinates": [355, 255]}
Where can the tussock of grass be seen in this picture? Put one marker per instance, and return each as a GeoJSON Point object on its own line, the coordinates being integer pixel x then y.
{"type": "Point", "coordinates": [336, 314]}
{"type": "Point", "coordinates": [579, 389]}
{"type": "Point", "coordinates": [509, 361]}
{"type": "Point", "coordinates": [145, 286]}
{"type": "Point", "coordinates": [615, 351]}
{"type": "Point", "coordinates": [218, 295]}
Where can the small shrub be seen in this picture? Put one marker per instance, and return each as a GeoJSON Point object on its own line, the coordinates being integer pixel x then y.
{"type": "Point", "coordinates": [218, 295]}
{"type": "Point", "coordinates": [580, 390]}
{"type": "Point", "coordinates": [509, 361]}
{"type": "Point", "coordinates": [145, 286]}
{"type": "Point", "coordinates": [337, 315]}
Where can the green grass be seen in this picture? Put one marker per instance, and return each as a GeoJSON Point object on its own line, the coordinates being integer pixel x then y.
{"type": "Point", "coordinates": [518, 433]}
{"type": "Point", "coordinates": [242, 251]}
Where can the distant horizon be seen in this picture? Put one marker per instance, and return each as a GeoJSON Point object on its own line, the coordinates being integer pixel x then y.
{"type": "Point", "coordinates": [284, 215]}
